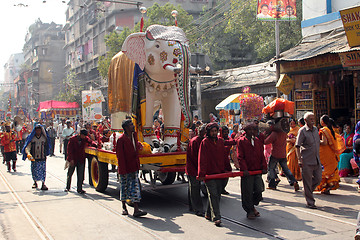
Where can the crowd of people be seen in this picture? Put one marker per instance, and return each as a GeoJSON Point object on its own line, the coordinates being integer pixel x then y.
{"type": "Point", "coordinates": [315, 156]}
{"type": "Point", "coordinates": [35, 140]}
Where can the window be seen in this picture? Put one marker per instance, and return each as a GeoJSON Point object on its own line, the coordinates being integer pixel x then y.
{"type": "Point", "coordinates": [44, 51]}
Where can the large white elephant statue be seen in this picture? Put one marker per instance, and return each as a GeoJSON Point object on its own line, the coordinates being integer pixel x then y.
{"type": "Point", "coordinates": [163, 53]}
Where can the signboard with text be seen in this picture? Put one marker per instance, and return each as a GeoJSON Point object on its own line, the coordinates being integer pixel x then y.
{"type": "Point", "coordinates": [92, 105]}
{"type": "Point", "coordinates": [282, 10]}
{"type": "Point", "coordinates": [322, 61]}
{"type": "Point", "coordinates": [350, 60]}
{"type": "Point", "coordinates": [351, 21]}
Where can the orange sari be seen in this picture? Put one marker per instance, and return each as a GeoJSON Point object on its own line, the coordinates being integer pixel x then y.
{"type": "Point", "coordinates": [292, 160]}
{"type": "Point", "coordinates": [329, 158]}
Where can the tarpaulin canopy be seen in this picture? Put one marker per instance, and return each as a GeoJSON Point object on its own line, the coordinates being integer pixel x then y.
{"type": "Point", "coordinates": [54, 105]}
{"type": "Point", "coordinates": [229, 103]}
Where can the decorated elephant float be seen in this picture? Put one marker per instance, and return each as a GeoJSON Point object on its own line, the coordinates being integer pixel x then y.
{"type": "Point", "coordinates": [153, 67]}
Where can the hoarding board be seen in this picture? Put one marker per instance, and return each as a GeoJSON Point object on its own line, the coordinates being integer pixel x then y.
{"type": "Point", "coordinates": [92, 105]}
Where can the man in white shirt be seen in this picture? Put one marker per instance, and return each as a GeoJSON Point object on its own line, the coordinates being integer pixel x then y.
{"type": "Point", "coordinates": [67, 133]}
{"type": "Point", "coordinates": [59, 131]}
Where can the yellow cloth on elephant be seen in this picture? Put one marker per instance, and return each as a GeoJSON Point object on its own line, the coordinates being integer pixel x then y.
{"type": "Point", "coordinates": [120, 85]}
{"type": "Point", "coordinates": [292, 160]}
{"type": "Point", "coordinates": [329, 159]}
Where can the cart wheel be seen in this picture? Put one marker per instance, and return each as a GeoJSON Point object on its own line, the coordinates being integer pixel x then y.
{"type": "Point", "coordinates": [166, 178]}
{"type": "Point", "coordinates": [99, 174]}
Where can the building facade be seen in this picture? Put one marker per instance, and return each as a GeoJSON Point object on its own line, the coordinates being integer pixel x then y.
{"type": "Point", "coordinates": [321, 17]}
{"type": "Point", "coordinates": [44, 57]}
{"type": "Point", "coordinates": [11, 70]}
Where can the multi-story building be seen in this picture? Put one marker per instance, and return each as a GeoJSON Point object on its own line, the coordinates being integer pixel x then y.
{"type": "Point", "coordinates": [89, 21]}
{"type": "Point", "coordinates": [11, 70]}
{"type": "Point", "coordinates": [45, 58]}
{"type": "Point", "coordinates": [321, 17]}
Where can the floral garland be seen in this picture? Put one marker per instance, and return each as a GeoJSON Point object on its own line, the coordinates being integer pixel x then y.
{"type": "Point", "coordinates": [251, 106]}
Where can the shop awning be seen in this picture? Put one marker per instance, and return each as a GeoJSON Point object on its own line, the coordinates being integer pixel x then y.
{"type": "Point", "coordinates": [56, 105]}
{"type": "Point", "coordinates": [231, 102]}
{"type": "Point", "coordinates": [334, 43]}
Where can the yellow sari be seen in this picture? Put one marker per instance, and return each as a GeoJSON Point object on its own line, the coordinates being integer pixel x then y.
{"type": "Point", "coordinates": [329, 158]}
{"type": "Point", "coordinates": [292, 160]}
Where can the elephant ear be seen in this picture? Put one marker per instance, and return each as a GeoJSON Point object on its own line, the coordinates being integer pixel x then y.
{"type": "Point", "coordinates": [134, 48]}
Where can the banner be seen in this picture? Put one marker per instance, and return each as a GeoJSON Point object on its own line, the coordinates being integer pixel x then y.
{"type": "Point", "coordinates": [282, 10]}
{"type": "Point", "coordinates": [351, 21]}
{"type": "Point", "coordinates": [92, 105]}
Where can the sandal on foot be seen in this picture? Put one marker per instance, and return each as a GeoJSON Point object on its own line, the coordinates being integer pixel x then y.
{"type": "Point", "coordinates": [44, 187]}
{"type": "Point", "coordinates": [251, 216]}
{"type": "Point", "coordinates": [218, 223]}
{"type": "Point", "coordinates": [256, 212]}
{"type": "Point", "coordinates": [139, 213]}
{"type": "Point", "coordinates": [125, 212]}
{"type": "Point", "coordinates": [34, 185]}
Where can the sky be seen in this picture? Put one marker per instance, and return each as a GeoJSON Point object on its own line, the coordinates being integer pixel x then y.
{"type": "Point", "coordinates": [15, 21]}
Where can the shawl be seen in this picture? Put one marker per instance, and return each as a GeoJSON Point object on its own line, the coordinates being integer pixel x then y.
{"type": "Point", "coordinates": [30, 137]}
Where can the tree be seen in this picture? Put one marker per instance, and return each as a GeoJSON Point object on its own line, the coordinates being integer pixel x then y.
{"type": "Point", "coordinates": [71, 91]}
{"type": "Point", "coordinates": [156, 14]}
{"type": "Point", "coordinates": [114, 43]}
{"type": "Point", "coordinates": [261, 34]}
{"type": "Point", "coordinates": [231, 35]}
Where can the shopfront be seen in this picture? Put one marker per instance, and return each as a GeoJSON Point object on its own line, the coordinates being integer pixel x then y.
{"type": "Point", "coordinates": [327, 79]}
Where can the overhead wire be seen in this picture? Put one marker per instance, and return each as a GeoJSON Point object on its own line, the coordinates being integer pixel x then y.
{"type": "Point", "coordinates": [231, 13]}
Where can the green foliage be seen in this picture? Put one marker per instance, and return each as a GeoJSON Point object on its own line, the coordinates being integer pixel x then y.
{"type": "Point", "coordinates": [156, 14]}
{"type": "Point", "coordinates": [261, 34]}
{"type": "Point", "coordinates": [71, 91]}
{"type": "Point", "coordinates": [232, 37]}
{"type": "Point", "coordinates": [114, 42]}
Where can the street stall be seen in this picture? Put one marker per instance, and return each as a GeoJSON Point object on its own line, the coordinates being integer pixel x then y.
{"type": "Point", "coordinates": [229, 110]}
{"type": "Point", "coordinates": [58, 109]}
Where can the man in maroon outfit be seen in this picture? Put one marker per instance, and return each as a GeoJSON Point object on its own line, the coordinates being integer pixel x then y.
{"type": "Point", "coordinates": [250, 152]}
{"type": "Point", "coordinates": [229, 142]}
{"type": "Point", "coordinates": [212, 160]}
{"type": "Point", "coordinates": [127, 150]}
{"type": "Point", "coordinates": [76, 158]}
{"type": "Point", "coordinates": [192, 156]}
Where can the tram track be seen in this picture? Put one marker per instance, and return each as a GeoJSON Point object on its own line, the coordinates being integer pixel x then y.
{"type": "Point", "coordinates": [153, 192]}
{"type": "Point", "coordinates": [112, 210]}
{"type": "Point", "coordinates": [34, 222]}
{"type": "Point", "coordinates": [44, 234]}
{"type": "Point", "coordinates": [225, 218]}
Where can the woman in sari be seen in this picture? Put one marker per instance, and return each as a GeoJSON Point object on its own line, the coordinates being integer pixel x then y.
{"type": "Point", "coordinates": [292, 160]}
{"type": "Point", "coordinates": [347, 155]}
{"type": "Point", "coordinates": [330, 149]}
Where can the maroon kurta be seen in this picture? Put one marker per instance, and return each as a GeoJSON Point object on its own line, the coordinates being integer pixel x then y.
{"type": "Point", "coordinates": [127, 155]}
{"type": "Point", "coordinates": [76, 149]}
{"type": "Point", "coordinates": [212, 157]}
{"type": "Point", "coordinates": [251, 158]}
{"type": "Point", "coordinates": [192, 156]}
{"type": "Point", "coordinates": [278, 143]}
{"type": "Point", "coordinates": [228, 145]}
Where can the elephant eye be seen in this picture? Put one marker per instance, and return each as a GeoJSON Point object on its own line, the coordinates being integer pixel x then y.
{"type": "Point", "coordinates": [157, 45]}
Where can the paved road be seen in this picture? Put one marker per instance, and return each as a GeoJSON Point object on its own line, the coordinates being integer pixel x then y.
{"type": "Point", "coordinates": [33, 214]}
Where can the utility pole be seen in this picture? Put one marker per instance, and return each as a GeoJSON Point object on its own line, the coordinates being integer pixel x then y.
{"type": "Point", "coordinates": [277, 45]}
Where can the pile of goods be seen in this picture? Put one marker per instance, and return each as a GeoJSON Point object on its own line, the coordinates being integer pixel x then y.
{"type": "Point", "coordinates": [278, 113]}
